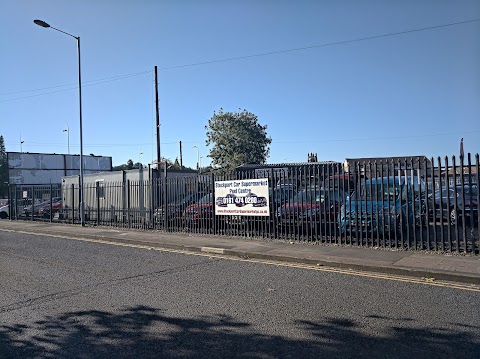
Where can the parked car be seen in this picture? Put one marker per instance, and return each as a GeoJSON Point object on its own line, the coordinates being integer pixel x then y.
{"type": "Point", "coordinates": [345, 183]}
{"type": "Point", "coordinates": [4, 202]}
{"type": "Point", "coordinates": [199, 214]}
{"type": "Point", "coordinates": [5, 211]}
{"type": "Point", "coordinates": [14, 207]}
{"type": "Point", "coordinates": [34, 210]}
{"type": "Point", "coordinates": [323, 217]}
{"type": "Point", "coordinates": [455, 203]}
{"type": "Point", "coordinates": [44, 211]}
{"type": "Point", "coordinates": [386, 205]}
{"type": "Point", "coordinates": [175, 210]}
{"type": "Point", "coordinates": [309, 208]}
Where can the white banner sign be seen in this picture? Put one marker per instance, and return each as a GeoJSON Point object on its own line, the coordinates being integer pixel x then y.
{"type": "Point", "coordinates": [248, 197]}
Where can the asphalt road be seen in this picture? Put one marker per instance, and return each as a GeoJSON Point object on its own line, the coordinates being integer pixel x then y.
{"type": "Point", "coordinates": [64, 298]}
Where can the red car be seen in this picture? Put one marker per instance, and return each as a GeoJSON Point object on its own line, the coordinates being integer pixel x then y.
{"type": "Point", "coordinates": [199, 214]}
{"type": "Point", "coordinates": [311, 207]}
{"type": "Point", "coordinates": [44, 211]}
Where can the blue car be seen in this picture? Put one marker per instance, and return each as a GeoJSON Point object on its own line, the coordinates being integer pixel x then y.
{"type": "Point", "coordinates": [384, 206]}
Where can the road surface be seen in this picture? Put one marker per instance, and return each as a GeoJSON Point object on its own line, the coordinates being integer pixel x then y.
{"type": "Point", "coordinates": [67, 298]}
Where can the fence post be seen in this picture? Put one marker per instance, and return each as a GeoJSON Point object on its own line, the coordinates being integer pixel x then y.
{"type": "Point", "coordinates": [97, 189]}
{"type": "Point", "coordinates": [33, 201]}
{"type": "Point", "coordinates": [10, 200]}
{"type": "Point", "coordinates": [461, 215]}
{"type": "Point", "coordinates": [457, 235]}
{"type": "Point", "coordinates": [128, 203]}
{"type": "Point", "coordinates": [151, 209]}
{"type": "Point", "coordinates": [51, 204]}
{"type": "Point", "coordinates": [214, 218]}
{"type": "Point", "coordinates": [16, 203]}
{"type": "Point", "coordinates": [475, 249]}
{"type": "Point", "coordinates": [165, 200]}
{"type": "Point", "coordinates": [73, 202]}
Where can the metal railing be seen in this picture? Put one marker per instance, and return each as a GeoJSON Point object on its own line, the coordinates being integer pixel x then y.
{"type": "Point", "coordinates": [408, 204]}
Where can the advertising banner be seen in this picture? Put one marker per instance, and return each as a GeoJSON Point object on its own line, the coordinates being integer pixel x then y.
{"type": "Point", "coordinates": [248, 197]}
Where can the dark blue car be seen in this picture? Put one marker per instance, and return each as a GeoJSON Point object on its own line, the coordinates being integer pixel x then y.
{"type": "Point", "coordinates": [384, 205]}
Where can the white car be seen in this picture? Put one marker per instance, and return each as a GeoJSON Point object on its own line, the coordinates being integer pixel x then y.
{"type": "Point", "coordinates": [4, 211]}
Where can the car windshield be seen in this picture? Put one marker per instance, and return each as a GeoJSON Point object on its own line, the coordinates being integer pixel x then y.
{"type": "Point", "coordinates": [191, 198]}
{"type": "Point", "coordinates": [281, 194]}
{"type": "Point", "coordinates": [341, 182]}
{"type": "Point", "coordinates": [375, 191]}
{"type": "Point", "coordinates": [186, 199]}
{"type": "Point", "coordinates": [309, 196]}
{"type": "Point", "coordinates": [3, 202]}
{"type": "Point", "coordinates": [206, 199]}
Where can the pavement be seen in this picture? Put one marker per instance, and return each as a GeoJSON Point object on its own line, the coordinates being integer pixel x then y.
{"type": "Point", "coordinates": [428, 265]}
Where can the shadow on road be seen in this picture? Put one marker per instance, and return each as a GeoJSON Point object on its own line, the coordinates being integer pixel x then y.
{"type": "Point", "coordinates": [143, 332]}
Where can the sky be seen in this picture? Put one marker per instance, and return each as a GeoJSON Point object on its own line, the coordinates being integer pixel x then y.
{"type": "Point", "coordinates": [320, 74]}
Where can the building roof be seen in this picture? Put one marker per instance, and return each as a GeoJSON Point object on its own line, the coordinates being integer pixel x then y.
{"type": "Point", "coordinates": [387, 159]}
{"type": "Point", "coordinates": [279, 165]}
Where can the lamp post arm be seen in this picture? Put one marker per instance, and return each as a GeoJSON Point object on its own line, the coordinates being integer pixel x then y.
{"type": "Point", "coordinates": [66, 33]}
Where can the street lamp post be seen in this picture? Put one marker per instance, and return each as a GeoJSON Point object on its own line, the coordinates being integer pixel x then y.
{"type": "Point", "coordinates": [198, 156]}
{"type": "Point", "coordinates": [82, 205]}
{"type": "Point", "coordinates": [67, 130]}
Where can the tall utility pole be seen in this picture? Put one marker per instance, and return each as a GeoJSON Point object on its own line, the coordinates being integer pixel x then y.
{"type": "Point", "coordinates": [157, 122]}
{"type": "Point", "coordinates": [181, 156]}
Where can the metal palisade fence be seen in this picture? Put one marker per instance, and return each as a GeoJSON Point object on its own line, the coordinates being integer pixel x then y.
{"type": "Point", "coordinates": [401, 203]}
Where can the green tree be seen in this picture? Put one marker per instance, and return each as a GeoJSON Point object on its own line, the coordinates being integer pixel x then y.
{"type": "Point", "coordinates": [3, 170]}
{"type": "Point", "coordinates": [130, 164]}
{"type": "Point", "coordinates": [237, 138]}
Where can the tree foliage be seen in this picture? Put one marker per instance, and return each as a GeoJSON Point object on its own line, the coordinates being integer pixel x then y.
{"type": "Point", "coordinates": [170, 164]}
{"type": "Point", "coordinates": [126, 166]}
{"type": "Point", "coordinates": [3, 170]}
{"type": "Point", "coordinates": [237, 138]}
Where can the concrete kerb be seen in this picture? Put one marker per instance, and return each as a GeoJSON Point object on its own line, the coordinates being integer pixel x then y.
{"type": "Point", "coordinates": [336, 264]}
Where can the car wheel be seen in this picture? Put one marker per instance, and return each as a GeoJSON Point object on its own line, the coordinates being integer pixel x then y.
{"type": "Point", "coordinates": [3, 215]}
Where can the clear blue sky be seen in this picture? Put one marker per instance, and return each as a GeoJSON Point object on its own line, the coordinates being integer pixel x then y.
{"type": "Point", "coordinates": [411, 94]}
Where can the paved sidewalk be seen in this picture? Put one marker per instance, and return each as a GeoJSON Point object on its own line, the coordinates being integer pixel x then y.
{"type": "Point", "coordinates": [449, 267]}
